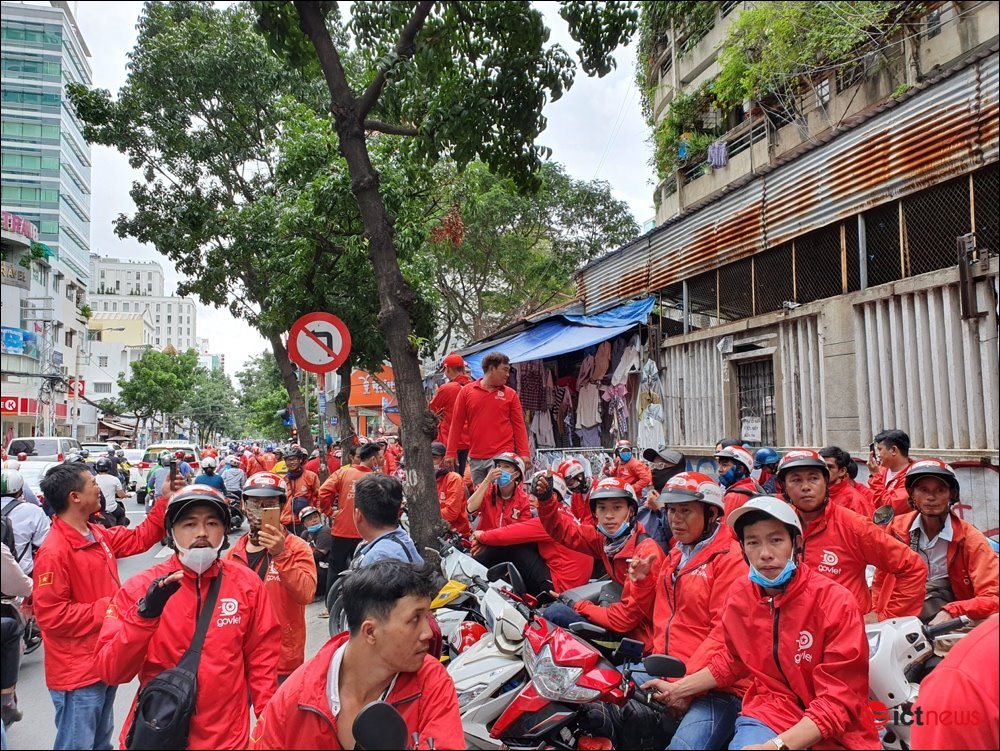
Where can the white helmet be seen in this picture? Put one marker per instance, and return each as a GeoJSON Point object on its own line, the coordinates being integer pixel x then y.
{"type": "Point", "coordinates": [12, 483]}
{"type": "Point", "coordinates": [773, 507]}
{"type": "Point", "coordinates": [209, 462]}
{"type": "Point", "coordinates": [12, 464]}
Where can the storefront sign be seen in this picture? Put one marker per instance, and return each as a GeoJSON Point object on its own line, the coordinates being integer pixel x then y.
{"type": "Point", "coordinates": [9, 405]}
{"type": "Point", "coordinates": [57, 358]}
{"type": "Point", "coordinates": [15, 276]}
{"type": "Point", "coordinates": [19, 226]}
{"type": "Point", "coordinates": [18, 342]}
{"type": "Point", "coordinates": [73, 383]}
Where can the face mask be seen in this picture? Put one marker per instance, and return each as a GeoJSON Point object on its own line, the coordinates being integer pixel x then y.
{"type": "Point", "coordinates": [660, 476]}
{"type": "Point", "coordinates": [622, 531]}
{"type": "Point", "coordinates": [314, 528]}
{"type": "Point", "coordinates": [625, 456]}
{"type": "Point", "coordinates": [779, 581]}
{"type": "Point", "coordinates": [198, 559]}
{"type": "Point", "coordinates": [505, 478]}
{"type": "Point", "coordinates": [728, 477]}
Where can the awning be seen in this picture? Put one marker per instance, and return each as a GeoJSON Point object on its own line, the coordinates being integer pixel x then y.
{"type": "Point", "coordinates": [566, 333]}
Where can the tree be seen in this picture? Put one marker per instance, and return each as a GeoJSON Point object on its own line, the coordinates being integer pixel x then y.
{"type": "Point", "coordinates": [159, 382]}
{"type": "Point", "coordinates": [210, 404]}
{"type": "Point", "coordinates": [261, 395]}
{"type": "Point", "coordinates": [466, 80]}
{"type": "Point", "coordinates": [500, 254]}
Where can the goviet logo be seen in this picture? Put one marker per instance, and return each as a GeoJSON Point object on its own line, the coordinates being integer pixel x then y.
{"type": "Point", "coordinates": [830, 558]}
{"type": "Point", "coordinates": [228, 606]}
{"type": "Point", "coordinates": [881, 713]}
{"type": "Point", "coordinates": [805, 640]}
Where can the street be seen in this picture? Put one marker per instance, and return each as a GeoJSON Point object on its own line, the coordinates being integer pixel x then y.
{"type": "Point", "coordinates": [37, 729]}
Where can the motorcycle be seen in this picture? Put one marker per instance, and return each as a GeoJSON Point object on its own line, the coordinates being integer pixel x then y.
{"type": "Point", "coordinates": [236, 515]}
{"type": "Point", "coordinates": [901, 652]}
{"type": "Point", "coordinates": [20, 609]}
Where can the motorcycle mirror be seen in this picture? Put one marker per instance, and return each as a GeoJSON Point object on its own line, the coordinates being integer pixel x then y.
{"type": "Point", "coordinates": [507, 572]}
{"type": "Point", "coordinates": [379, 725]}
{"type": "Point", "coordinates": [587, 630]}
{"type": "Point", "coordinates": [664, 666]}
{"type": "Point", "coordinates": [883, 515]}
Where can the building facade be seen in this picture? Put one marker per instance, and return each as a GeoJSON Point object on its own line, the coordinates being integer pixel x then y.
{"type": "Point", "coordinates": [839, 275]}
{"type": "Point", "coordinates": [111, 276]}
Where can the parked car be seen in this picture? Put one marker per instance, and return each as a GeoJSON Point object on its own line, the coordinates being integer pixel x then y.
{"type": "Point", "coordinates": [151, 457]}
{"type": "Point", "coordinates": [43, 448]}
{"type": "Point", "coordinates": [137, 475]}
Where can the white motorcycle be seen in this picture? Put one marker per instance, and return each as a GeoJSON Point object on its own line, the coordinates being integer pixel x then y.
{"type": "Point", "coordinates": [901, 652]}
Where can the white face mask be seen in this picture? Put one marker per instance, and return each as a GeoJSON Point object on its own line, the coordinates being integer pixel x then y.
{"type": "Point", "coordinates": [198, 559]}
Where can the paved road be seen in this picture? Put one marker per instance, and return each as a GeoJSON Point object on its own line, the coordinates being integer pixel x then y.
{"type": "Point", "coordinates": [37, 729]}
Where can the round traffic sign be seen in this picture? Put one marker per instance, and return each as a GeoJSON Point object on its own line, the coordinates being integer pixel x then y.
{"type": "Point", "coordinates": [319, 342]}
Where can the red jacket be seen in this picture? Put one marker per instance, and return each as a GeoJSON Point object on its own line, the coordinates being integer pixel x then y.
{"type": "Point", "coordinates": [493, 419]}
{"type": "Point", "coordinates": [966, 683]}
{"type": "Point", "coordinates": [239, 659]}
{"type": "Point", "coordinates": [568, 568]}
{"type": "Point", "coordinates": [847, 495]}
{"type": "Point", "coordinates": [892, 493]}
{"type": "Point", "coordinates": [290, 583]}
{"type": "Point", "coordinates": [635, 473]}
{"type": "Point", "coordinates": [739, 493]}
{"type": "Point", "coordinates": [495, 512]}
{"type": "Point", "coordinates": [806, 654]}
{"type": "Point", "coordinates": [972, 569]}
{"type": "Point", "coordinates": [580, 506]}
{"type": "Point", "coordinates": [452, 499]}
{"type": "Point", "coordinates": [267, 460]}
{"type": "Point", "coordinates": [299, 715]}
{"type": "Point", "coordinates": [633, 614]}
{"type": "Point", "coordinates": [306, 486]}
{"type": "Point", "coordinates": [865, 493]}
{"type": "Point", "coordinates": [443, 404]}
{"type": "Point", "coordinates": [840, 544]}
{"type": "Point", "coordinates": [74, 580]}
{"type": "Point", "coordinates": [689, 606]}
{"type": "Point", "coordinates": [338, 490]}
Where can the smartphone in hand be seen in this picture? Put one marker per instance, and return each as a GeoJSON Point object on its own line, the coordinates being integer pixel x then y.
{"type": "Point", "coordinates": [272, 517]}
{"type": "Point", "coordinates": [173, 472]}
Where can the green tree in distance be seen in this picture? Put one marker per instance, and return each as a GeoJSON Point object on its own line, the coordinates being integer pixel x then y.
{"type": "Point", "coordinates": [159, 382]}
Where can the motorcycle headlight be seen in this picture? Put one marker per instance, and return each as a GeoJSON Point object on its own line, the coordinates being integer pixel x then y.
{"type": "Point", "coordinates": [873, 641]}
{"type": "Point", "coordinates": [471, 694]}
{"type": "Point", "coordinates": [556, 682]}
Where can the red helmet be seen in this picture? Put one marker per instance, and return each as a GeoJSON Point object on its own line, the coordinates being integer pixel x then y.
{"type": "Point", "coordinates": [931, 468]}
{"type": "Point", "coordinates": [612, 487]}
{"type": "Point", "coordinates": [800, 458]}
{"type": "Point", "coordinates": [467, 634]}
{"type": "Point", "coordinates": [738, 454]}
{"type": "Point", "coordinates": [265, 485]}
{"type": "Point", "coordinates": [685, 487]}
{"type": "Point", "coordinates": [570, 468]}
{"type": "Point", "coordinates": [179, 454]}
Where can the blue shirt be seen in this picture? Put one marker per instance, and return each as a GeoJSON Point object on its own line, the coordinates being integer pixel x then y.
{"type": "Point", "coordinates": [392, 545]}
{"type": "Point", "coordinates": [213, 481]}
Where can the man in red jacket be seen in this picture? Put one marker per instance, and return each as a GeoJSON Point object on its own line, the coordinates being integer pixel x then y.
{"type": "Point", "coordinates": [963, 572]}
{"type": "Point", "coordinates": [887, 473]}
{"type": "Point", "coordinates": [451, 493]}
{"type": "Point", "coordinates": [629, 469]}
{"type": "Point", "coordinates": [150, 623]}
{"type": "Point", "coordinates": [384, 655]}
{"type": "Point", "coordinates": [303, 488]}
{"type": "Point", "coordinates": [615, 541]}
{"type": "Point", "coordinates": [796, 635]}
{"type": "Point", "coordinates": [842, 490]}
{"type": "Point", "coordinates": [283, 561]}
{"type": "Point", "coordinates": [574, 474]}
{"type": "Point", "coordinates": [443, 405]}
{"type": "Point", "coordinates": [75, 577]}
{"type": "Point", "coordinates": [840, 544]}
{"type": "Point", "coordinates": [490, 413]}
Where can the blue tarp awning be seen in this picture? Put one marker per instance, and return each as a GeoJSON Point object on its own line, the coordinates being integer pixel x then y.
{"type": "Point", "coordinates": [562, 334]}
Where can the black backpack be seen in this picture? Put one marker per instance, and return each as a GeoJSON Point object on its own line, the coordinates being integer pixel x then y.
{"type": "Point", "coordinates": [165, 705]}
{"type": "Point", "coordinates": [7, 530]}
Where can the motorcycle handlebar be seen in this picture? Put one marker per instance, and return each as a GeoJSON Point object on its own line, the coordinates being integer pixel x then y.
{"type": "Point", "coordinates": [951, 625]}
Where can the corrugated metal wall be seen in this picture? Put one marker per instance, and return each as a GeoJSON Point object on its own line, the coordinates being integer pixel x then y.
{"type": "Point", "coordinates": [922, 368]}
{"type": "Point", "coordinates": [949, 129]}
{"type": "Point", "coordinates": [803, 410]}
{"type": "Point", "coordinates": [693, 386]}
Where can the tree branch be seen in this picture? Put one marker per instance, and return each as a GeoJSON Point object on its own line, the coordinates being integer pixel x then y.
{"type": "Point", "coordinates": [313, 25]}
{"type": "Point", "coordinates": [391, 129]}
{"type": "Point", "coordinates": [404, 50]}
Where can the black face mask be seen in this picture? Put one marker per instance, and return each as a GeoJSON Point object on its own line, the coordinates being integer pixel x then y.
{"type": "Point", "coordinates": [660, 476]}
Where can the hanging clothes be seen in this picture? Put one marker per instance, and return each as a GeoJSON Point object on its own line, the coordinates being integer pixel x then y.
{"type": "Point", "coordinates": [588, 408]}
{"type": "Point", "coordinates": [651, 433]}
{"type": "Point", "coordinates": [586, 369]}
{"type": "Point", "coordinates": [602, 361]}
{"type": "Point", "coordinates": [615, 397]}
{"type": "Point", "coordinates": [590, 437]}
{"type": "Point", "coordinates": [532, 385]}
{"type": "Point", "coordinates": [541, 429]}
{"type": "Point", "coordinates": [629, 362]}
{"type": "Point", "coordinates": [651, 389]}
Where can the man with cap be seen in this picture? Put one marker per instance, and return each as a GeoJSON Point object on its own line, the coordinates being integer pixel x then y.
{"type": "Point", "coordinates": [443, 405]}
{"type": "Point", "coordinates": [840, 544]}
{"type": "Point", "coordinates": [766, 460]}
{"type": "Point", "coordinates": [283, 561]}
{"type": "Point", "coordinates": [150, 622]}
{"type": "Point", "coordinates": [963, 573]}
{"type": "Point", "coordinates": [629, 469]}
{"type": "Point", "coordinates": [75, 577]}
{"type": "Point", "coordinates": [735, 468]}
{"type": "Point", "coordinates": [451, 493]}
{"type": "Point", "coordinates": [796, 635]}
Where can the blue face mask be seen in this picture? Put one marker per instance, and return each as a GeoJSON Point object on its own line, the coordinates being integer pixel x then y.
{"type": "Point", "coordinates": [625, 456]}
{"type": "Point", "coordinates": [314, 528]}
{"type": "Point", "coordinates": [505, 478]}
{"type": "Point", "coordinates": [728, 477]}
{"type": "Point", "coordinates": [779, 581]}
{"type": "Point", "coordinates": [622, 531]}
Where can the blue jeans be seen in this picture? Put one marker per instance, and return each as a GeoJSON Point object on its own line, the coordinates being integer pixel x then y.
{"type": "Point", "coordinates": [562, 615]}
{"type": "Point", "coordinates": [750, 732]}
{"type": "Point", "coordinates": [84, 717]}
{"type": "Point", "coordinates": [708, 722]}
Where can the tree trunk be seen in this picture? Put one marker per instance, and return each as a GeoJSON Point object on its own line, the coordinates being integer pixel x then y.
{"type": "Point", "coordinates": [305, 438]}
{"type": "Point", "coordinates": [341, 401]}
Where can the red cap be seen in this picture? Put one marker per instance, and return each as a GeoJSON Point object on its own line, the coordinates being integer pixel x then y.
{"type": "Point", "coordinates": [454, 360]}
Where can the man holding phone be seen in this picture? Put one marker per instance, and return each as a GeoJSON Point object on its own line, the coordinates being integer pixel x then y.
{"type": "Point", "coordinates": [888, 461]}
{"type": "Point", "coordinates": [283, 561]}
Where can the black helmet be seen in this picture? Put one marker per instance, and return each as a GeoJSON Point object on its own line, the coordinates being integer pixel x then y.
{"type": "Point", "coordinates": [103, 464]}
{"type": "Point", "coordinates": [193, 495]}
{"type": "Point", "coordinates": [296, 450]}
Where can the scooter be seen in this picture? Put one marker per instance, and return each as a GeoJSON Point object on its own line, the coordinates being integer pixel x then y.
{"type": "Point", "coordinates": [236, 515]}
{"type": "Point", "coordinates": [20, 609]}
{"type": "Point", "coordinates": [901, 652]}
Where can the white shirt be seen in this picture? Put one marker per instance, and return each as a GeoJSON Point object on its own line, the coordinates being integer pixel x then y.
{"type": "Point", "coordinates": [110, 485]}
{"type": "Point", "coordinates": [588, 408]}
{"type": "Point", "coordinates": [934, 551]}
{"type": "Point", "coordinates": [31, 527]}
{"type": "Point", "coordinates": [333, 681]}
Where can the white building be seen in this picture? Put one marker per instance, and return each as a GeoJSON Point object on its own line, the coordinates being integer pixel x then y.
{"type": "Point", "coordinates": [112, 276]}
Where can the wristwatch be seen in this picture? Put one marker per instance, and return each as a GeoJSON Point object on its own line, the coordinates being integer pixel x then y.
{"type": "Point", "coordinates": [779, 744]}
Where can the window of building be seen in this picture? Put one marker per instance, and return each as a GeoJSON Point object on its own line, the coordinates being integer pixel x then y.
{"type": "Point", "coordinates": [102, 387]}
{"type": "Point", "coordinates": [125, 306]}
{"type": "Point", "coordinates": [70, 292]}
{"type": "Point", "coordinates": [168, 319]}
{"type": "Point", "coordinates": [114, 306]}
{"type": "Point", "coordinates": [102, 361]}
{"type": "Point", "coordinates": [68, 338]}
{"type": "Point", "coordinates": [55, 282]}
{"type": "Point", "coordinates": [118, 285]}
{"type": "Point", "coordinates": [157, 307]}
{"type": "Point", "coordinates": [933, 23]}
{"type": "Point", "coordinates": [40, 274]}
{"type": "Point", "coordinates": [149, 287]}
{"type": "Point", "coordinates": [823, 91]}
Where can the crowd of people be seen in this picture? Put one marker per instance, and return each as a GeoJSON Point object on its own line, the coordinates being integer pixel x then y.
{"type": "Point", "coordinates": [756, 578]}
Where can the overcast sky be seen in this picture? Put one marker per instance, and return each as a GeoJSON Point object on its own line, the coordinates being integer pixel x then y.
{"type": "Point", "coordinates": [596, 130]}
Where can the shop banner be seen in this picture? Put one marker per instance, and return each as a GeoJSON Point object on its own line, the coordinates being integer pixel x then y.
{"type": "Point", "coordinates": [19, 342]}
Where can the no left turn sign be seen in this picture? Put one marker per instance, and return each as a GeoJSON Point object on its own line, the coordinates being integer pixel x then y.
{"type": "Point", "coordinates": [319, 342]}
